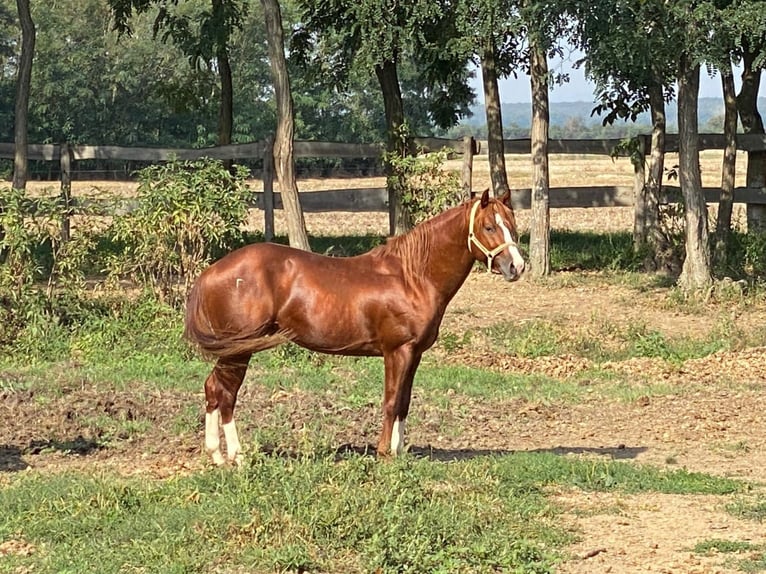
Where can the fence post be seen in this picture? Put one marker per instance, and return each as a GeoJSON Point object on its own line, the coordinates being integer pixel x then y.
{"type": "Point", "coordinates": [639, 194]}
{"type": "Point", "coordinates": [66, 156]}
{"type": "Point", "coordinates": [268, 189]}
{"type": "Point", "coordinates": [470, 148]}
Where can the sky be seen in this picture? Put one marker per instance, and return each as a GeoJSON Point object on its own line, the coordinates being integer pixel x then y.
{"type": "Point", "coordinates": [579, 89]}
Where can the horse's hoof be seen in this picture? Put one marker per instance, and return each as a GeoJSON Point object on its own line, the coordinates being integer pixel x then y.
{"type": "Point", "coordinates": [218, 459]}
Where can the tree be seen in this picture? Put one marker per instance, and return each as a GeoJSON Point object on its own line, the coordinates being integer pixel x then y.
{"type": "Point", "coordinates": [547, 24]}
{"type": "Point", "coordinates": [693, 36]}
{"type": "Point", "coordinates": [284, 158]}
{"type": "Point", "coordinates": [207, 41]}
{"type": "Point", "coordinates": [493, 32]}
{"type": "Point", "coordinates": [721, 49]}
{"type": "Point", "coordinates": [22, 94]}
{"type": "Point", "coordinates": [728, 167]}
{"type": "Point", "coordinates": [695, 274]}
{"type": "Point", "coordinates": [539, 228]}
{"type": "Point", "coordinates": [339, 36]}
{"type": "Point", "coordinates": [748, 18]}
{"type": "Point", "coordinates": [117, 91]}
{"type": "Point", "coordinates": [629, 53]}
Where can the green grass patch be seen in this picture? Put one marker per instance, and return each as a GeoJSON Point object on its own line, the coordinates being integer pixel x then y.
{"type": "Point", "coordinates": [749, 509]}
{"type": "Point", "coordinates": [603, 341]}
{"type": "Point", "coordinates": [755, 562]}
{"type": "Point", "coordinates": [316, 513]}
{"type": "Point", "coordinates": [723, 546]}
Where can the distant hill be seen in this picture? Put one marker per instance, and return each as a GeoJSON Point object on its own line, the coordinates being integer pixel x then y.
{"type": "Point", "coordinates": [518, 116]}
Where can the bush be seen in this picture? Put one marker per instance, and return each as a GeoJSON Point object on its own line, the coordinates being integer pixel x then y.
{"type": "Point", "coordinates": [40, 274]}
{"type": "Point", "coordinates": [426, 188]}
{"type": "Point", "coordinates": [187, 213]}
{"type": "Point", "coordinates": [745, 256]}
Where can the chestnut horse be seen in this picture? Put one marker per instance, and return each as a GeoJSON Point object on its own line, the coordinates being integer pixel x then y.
{"type": "Point", "coordinates": [388, 302]}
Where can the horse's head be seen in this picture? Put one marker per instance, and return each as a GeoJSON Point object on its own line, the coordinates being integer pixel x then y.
{"type": "Point", "coordinates": [492, 236]}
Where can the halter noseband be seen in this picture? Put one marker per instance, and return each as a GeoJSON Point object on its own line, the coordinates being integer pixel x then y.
{"type": "Point", "coordinates": [472, 240]}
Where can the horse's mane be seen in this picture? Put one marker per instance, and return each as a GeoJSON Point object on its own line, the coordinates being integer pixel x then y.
{"type": "Point", "coordinates": [415, 248]}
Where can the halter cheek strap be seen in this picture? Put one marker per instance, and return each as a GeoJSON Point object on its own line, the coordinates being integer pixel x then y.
{"type": "Point", "coordinates": [472, 240]}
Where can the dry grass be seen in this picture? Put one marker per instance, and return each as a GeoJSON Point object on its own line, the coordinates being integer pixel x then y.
{"type": "Point", "coordinates": [566, 170]}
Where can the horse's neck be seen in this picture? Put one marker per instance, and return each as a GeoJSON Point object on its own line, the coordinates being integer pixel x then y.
{"type": "Point", "coordinates": [450, 260]}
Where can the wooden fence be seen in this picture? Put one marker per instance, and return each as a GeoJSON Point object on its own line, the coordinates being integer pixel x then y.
{"type": "Point", "coordinates": [376, 199]}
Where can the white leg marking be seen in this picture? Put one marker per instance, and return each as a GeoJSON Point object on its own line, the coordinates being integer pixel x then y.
{"type": "Point", "coordinates": [212, 436]}
{"type": "Point", "coordinates": [518, 260]}
{"type": "Point", "coordinates": [233, 448]}
{"type": "Point", "coordinates": [397, 437]}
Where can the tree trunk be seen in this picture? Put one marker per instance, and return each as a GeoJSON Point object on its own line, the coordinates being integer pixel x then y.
{"type": "Point", "coordinates": [539, 230]}
{"type": "Point", "coordinates": [695, 274]}
{"type": "Point", "coordinates": [752, 123]}
{"type": "Point", "coordinates": [747, 99]}
{"type": "Point", "coordinates": [284, 158]}
{"type": "Point", "coordinates": [226, 111]}
{"type": "Point", "coordinates": [495, 147]}
{"type": "Point", "coordinates": [655, 237]}
{"type": "Point", "coordinates": [22, 94]}
{"type": "Point", "coordinates": [400, 221]}
{"type": "Point", "coordinates": [728, 169]}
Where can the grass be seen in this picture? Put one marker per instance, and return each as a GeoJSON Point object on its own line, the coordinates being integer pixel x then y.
{"type": "Point", "coordinates": [316, 513]}
{"type": "Point", "coordinates": [755, 562]}
{"type": "Point", "coordinates": [749, 509]}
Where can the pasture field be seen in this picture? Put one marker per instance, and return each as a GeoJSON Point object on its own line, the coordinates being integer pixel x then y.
{"type": "Point", "coordinates": [594, 421]}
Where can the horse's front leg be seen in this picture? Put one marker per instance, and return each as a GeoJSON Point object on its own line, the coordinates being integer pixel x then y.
{"type": "Point", "coordinates": [400, 366]}
{"type": "Point", "coordinates": [221, 389]}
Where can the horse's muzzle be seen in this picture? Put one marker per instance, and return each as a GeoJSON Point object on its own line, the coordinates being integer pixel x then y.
{"type": "Point", "coordinates": [508, 270]}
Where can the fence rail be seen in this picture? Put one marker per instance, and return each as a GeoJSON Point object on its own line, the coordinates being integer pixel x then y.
{"type": "Point", "coordinates": [377, 199]}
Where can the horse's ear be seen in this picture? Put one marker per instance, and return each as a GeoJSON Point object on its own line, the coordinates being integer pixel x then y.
{"type": "Point", "coordinates": [506, 199]}
{"type": "Point", "coordinates": [485, 198]}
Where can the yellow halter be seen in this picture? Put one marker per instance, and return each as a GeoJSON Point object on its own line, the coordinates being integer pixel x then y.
{"type": "Point", "coordinates": [490, 254]}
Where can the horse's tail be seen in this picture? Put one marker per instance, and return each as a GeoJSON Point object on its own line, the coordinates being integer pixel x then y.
{"type": "Point", "coordinates": [213, 343]}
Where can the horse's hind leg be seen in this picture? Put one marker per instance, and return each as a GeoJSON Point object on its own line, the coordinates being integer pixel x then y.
{"type": "Point", "coordinates": [221, 388]}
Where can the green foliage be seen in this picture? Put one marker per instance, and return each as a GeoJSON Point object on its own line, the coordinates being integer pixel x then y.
{"type": "Point", "coordinates": [315, 514]}
{"type": "Point", "coordinates": [745, 256]}
{"type": "Point", "coordinates": [425, 188]}
{"type": "Point", "coordinates": [40, 274]}
{"type": "Point", "coordinates": [631, 148]}
{"type": "Point", "coordinates": [187, 213]}
{"type": "Point", "coordinates": [756, 553]}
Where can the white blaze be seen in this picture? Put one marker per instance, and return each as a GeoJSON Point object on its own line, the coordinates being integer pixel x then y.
{"type": "Point", "coordinates": [397, 437]}
{"type": "Point", "coordinates": [513, 250]}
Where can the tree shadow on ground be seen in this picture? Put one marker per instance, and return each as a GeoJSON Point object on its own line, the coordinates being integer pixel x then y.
{"type": "Point", "coordinates": [620, 452]}
{"type": "Point", "coordinates": [12, 457]}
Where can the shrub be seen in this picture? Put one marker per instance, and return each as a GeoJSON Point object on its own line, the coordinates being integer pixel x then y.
{"type": "Point", "coordinates": [426, 188]}
{"type": "Point", "coordinates": [40, 275]}
{"type": "Point", "coordinates": [187, 213]}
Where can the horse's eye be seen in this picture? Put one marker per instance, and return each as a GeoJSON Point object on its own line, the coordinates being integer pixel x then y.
{"type": "Point", "coordinates": [489, 228]}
